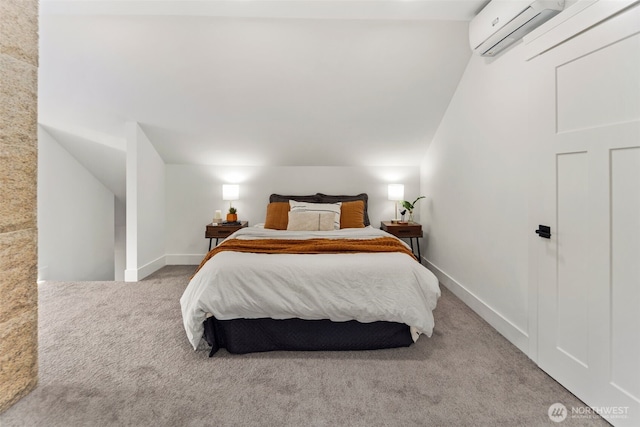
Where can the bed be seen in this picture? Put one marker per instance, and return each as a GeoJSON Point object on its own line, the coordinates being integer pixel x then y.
{"type": "Point", "coordinates": [342, 286]}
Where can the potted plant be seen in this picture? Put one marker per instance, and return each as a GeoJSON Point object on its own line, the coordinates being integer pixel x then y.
{"type": "Point", "coordinates": [232, 216]}
{"type": "Point", "coordinates": [411, 206]}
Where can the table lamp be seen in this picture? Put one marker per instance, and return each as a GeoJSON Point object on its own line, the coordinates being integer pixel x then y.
{"type": "Point", "coordinates": [396, 193]}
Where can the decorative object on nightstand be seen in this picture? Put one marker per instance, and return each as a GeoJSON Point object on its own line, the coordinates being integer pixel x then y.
{"type": "Point", "coordinates": [396, 193]}
{"type": "Point", "coordinates": [405, 231]}
{"type": "Point", "coordinates": [222, 231]}
{"type": "Point", "coordinates": [217, 217]}
{"type": "Point", "coordinates": [232, 216]}
{"type": "Point", "coordinates": [231, 192]}
{"type": "Point", "coordinates": [410, 207]}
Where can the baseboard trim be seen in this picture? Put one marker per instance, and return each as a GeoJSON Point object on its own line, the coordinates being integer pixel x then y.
{"type": "Point", "coordinates": [511, 332]}
{"type": "Point", "coordinates": [185, 259]}
{"type": "Point", "coordinates": [134, 275]}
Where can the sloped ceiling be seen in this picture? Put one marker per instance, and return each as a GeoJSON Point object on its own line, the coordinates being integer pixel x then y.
{"type": "Point", "coordinates": [280, 83]}
{"type": "Point", "coordinates": [107, 162]}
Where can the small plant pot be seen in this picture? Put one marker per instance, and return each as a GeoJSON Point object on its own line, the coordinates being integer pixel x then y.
{"type": "Point", "coordinates": [232, 217]}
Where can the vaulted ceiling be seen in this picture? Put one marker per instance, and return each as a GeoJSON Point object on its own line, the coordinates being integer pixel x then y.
{"type": "Point", "coordinates": [247, 82]}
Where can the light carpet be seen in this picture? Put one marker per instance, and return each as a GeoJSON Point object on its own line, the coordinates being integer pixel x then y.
{"type": "Point", "coordinates": [116, 354]}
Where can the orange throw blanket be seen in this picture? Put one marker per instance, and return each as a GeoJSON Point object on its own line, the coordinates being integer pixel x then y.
{"type": "Point", "coordinates": [309, 246]}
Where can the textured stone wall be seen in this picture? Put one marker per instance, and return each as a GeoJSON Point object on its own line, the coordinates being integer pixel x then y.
{"type": "Point", "coordinates": [18, 173]}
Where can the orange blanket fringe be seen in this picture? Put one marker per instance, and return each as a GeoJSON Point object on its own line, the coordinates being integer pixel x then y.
{"type": "Point", "coordinates": [309, 246]}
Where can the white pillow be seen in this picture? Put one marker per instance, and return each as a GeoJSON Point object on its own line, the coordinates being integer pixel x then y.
{"type": "Point", "coordinates": [318, 207]}
{"type": "Point", "coordinates": [310, 221]}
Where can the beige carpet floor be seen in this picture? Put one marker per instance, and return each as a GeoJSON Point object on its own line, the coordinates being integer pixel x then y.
{"type": "Point", "coordinates": [115, 354]}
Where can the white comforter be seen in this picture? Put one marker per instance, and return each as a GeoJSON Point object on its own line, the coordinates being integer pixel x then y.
{"type": "Point", "coordinates": [366, 287]}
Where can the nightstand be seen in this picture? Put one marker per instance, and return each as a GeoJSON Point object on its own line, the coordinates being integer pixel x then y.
{"type": "Point", "coordinates": [411, 230]}
{"type": "Point", "coordinates": [221, 231]}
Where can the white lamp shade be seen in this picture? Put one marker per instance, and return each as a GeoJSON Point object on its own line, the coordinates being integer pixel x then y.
{"type": "Point", "coordinates": [396, 192]}
{"type": "Point", "coordinates": [230, 192]}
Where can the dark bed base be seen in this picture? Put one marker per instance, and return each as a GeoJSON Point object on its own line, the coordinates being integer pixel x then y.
{"type": "Point", "coordinates": [255, 335]}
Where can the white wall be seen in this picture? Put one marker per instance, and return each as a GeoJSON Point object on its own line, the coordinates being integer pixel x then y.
{"type": "Point", "coordinates": [480, 174]}
{"type": "Point", "coordinates": [75, 218]}
{"type": "Point", "coordinates": [145, 206]}
{"type": "Point", "coordinates": [475, 174]}
{"type": "Point", "coordinates": [120, 239]}
{"type": "Point", "coordinates": [195, 192]}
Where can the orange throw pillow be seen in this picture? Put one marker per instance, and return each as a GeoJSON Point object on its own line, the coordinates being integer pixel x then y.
{"type": "Point", "coordinates": [352, 214]}
{"type": "Point", "coordinates": [277, 216]}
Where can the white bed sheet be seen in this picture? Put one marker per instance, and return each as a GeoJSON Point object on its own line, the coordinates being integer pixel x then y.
{"type": "Point", "coordinates": [366, 287]}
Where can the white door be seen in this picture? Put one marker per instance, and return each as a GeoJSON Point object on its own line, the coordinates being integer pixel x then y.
{"type": "Point", "coordinates": [588, 319]}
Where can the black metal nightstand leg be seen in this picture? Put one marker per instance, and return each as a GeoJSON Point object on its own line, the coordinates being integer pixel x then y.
{"type": "Point", "coordinates": [419, 256]}
{"type": "Point", "coordinates": [210, 239]}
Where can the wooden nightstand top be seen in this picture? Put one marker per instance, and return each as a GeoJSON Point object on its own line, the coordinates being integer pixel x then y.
{"type": "Point", "coordinates": [411, 229]}
{"type": "Point", "coordinates": [221, 231]}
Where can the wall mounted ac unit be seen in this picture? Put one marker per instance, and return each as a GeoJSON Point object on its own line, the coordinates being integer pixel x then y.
{"type": "Point", "coordinates": [503, 22]}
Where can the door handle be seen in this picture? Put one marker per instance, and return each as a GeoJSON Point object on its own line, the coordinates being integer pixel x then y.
{"type": "Point", "coordinates": [544, 231]}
